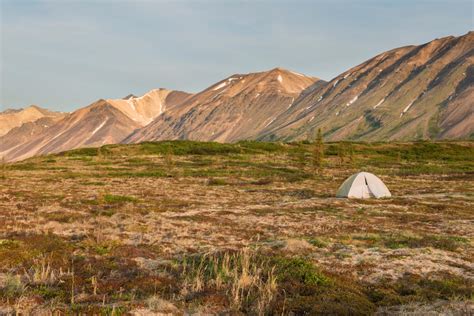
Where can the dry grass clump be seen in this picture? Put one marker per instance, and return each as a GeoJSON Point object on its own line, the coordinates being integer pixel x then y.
{"type": "Point", "coordinates": [42, 273]}
{"type": "Point", "coordinates": [249, 283]}
{"type": "Point", "coordinates": [268, 283]}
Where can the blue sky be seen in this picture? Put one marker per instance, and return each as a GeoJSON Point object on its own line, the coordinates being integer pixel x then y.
{"type": "Point", "coordinates": [65, 54]}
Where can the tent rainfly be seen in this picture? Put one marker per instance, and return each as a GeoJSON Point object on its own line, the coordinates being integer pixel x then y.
{"type": "Point", "coordinates": [363, 185]}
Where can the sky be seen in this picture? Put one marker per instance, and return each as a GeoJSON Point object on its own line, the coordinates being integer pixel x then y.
{"type": "Point", "coordinates": [65, 54]}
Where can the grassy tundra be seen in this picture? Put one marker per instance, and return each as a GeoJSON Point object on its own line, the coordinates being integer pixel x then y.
{"type": "Point", "coordinates": [250, 228]}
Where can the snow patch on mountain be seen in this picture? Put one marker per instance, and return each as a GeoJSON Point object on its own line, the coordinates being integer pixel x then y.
{"type": "Point", "coordinates": [407, 107]}
{"type": "Point", "coordinates": [298, 74]}
{"type": "Point", "coordinates": [380, 102]}
{"type": "Point", "coordinates": [352, 100]}
{"type": "Point", "coordinates": [132, 104]}
{"type": "Point", "coordinates": [271, 121]}
{"type": "Point", "coordinates": [99, 127]}
{"type": "Point", "coordinates": [291, 103]}
{"type": "Point", "coordinates": [58, 135]}
{"type": "Point", "coordinates": [220, 86]}
{"type": "Point", "coordinates": [225, 83]}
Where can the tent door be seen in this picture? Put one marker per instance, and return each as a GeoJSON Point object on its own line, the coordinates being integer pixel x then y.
{"type": "Point", "coordinates": [366, 192]}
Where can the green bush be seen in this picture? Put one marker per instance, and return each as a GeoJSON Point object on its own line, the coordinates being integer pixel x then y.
{"type": "Point", "coordinates": [300, 271]}
{"type": "Point", "coordinates": [110, 198]}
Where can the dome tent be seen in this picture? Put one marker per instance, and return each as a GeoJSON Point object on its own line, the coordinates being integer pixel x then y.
{"type": "Point", "coordinates": [363, 185]}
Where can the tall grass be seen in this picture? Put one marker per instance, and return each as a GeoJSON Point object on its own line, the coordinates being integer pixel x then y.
{"type": "Point", "coordinates": [41, 272]}
{"type": "Point", "coordinates": [249, 283]}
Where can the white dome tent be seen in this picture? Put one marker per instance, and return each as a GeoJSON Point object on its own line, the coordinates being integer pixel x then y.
{"type": "Point", "coordinates": [363, 185]}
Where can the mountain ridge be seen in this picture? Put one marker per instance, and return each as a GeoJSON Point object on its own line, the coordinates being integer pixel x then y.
{"type": "Point", "coordinates": [105, 121]}
{"type": "Point", "coordinates": [235, 108]}
{"type": "Point", "coordinates": [407, 93]}
{"type": "Point", "coordinates": [396, 81]}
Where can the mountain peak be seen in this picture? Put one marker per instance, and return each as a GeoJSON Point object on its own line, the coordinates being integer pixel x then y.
{"type": "Point", "coordinates": [237, 107]}
{"type": "Point", "coordinates": [130, 96]}
{"type": "Point", "coordinates": [36, 108]}
{"type": "Point", "coordinates": [277, 69]}
{"type": "Point", "coordinates": [12, 118]}
{"type": "Point", "coordinates": [33, 106]}
{"type": "Point", "coordinates": [277, 80]}
{"type": "Point", "coordinates": [287, 71]}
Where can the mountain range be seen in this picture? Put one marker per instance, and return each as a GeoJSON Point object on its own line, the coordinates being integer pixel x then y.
{"type": "Point", "coordinates": [408, 93]}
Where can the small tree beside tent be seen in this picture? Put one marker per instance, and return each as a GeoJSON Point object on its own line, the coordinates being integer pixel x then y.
{"type": "Point", "coordinates": [318, 151]}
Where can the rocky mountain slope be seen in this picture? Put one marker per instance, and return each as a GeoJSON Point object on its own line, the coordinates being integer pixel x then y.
{"type": "Point", "coordinates": [22, 134]}
{"type": "Point", "coordinates": [238, 107]}
{"type": "Point", "coordinates": [12, 118]}
{"type": "Point", "coordinates": [103, 122]}
{"type": "Point", "coordinates": [95, 125]}
{"type": "Point", "coordinates": [408, 93]}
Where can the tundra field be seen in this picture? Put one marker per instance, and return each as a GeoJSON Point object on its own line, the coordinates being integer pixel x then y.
{"type": "Point", "coordinates": [246, 228]}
